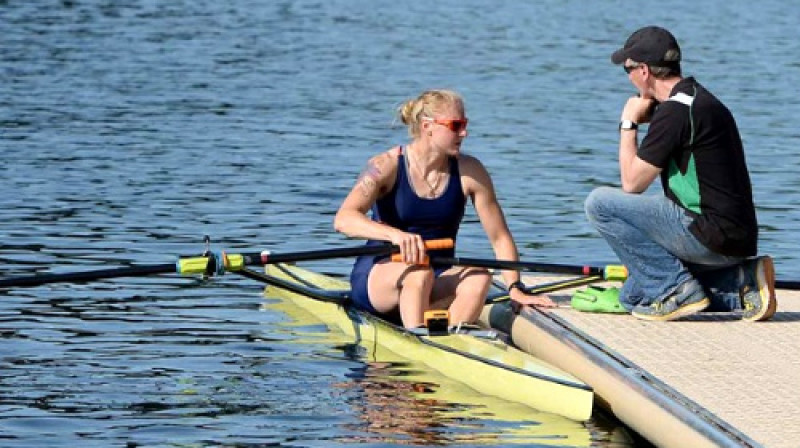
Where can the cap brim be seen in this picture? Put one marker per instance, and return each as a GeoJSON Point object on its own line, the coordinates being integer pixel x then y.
{"type": "Point", "coordinates": [619, 56]}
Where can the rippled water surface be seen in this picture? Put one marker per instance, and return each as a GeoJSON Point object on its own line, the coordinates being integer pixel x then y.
{"type": "Point", "coordinates": [130, 129]}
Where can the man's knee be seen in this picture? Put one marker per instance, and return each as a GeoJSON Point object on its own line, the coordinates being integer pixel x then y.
{"type": "Point", "coordinates": [595, 204]}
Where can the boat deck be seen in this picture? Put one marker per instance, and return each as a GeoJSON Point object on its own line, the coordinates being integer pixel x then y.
{"type": "Point", "coordinates": [746, 374]}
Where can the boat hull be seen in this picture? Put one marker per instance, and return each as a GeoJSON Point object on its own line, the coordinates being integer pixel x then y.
{"type": "Point", "coordinates": [487, 365]}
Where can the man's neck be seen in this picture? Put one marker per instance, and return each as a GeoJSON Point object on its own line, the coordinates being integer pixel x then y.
{"type": "Point", "coordinates": [663, 87]}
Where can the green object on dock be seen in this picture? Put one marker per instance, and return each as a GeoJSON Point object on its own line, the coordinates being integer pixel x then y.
{"type": "Point", "coordinates": [596, 299]}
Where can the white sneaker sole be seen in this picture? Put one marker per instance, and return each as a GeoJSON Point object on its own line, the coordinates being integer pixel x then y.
{"type": "Point", "coordinates": [766, 289]}
{"type": "Point", "coordinates": [683, 311]}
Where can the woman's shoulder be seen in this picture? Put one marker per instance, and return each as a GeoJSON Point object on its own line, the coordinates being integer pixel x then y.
{"type": "Point", "coordinates": [384, 163]}
{"type": "Point", "coordinates": [468, 163]}
{"type": "Point", "coordinates": [391, 155]}
{"type": "Point", "coordinates": [474, 175]}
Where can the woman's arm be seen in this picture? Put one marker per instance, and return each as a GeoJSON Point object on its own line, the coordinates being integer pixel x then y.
{"type": "Point", "coordinates": [478, 185]}
{"type": "Point", "coordinates": [351, 219]}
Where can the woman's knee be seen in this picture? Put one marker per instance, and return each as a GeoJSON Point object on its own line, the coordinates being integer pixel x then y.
{"type": "Point", "coordinates": [390, 279]}
{"type": "Point", "coordinates": [476, 277]}
{"type": "Point", "coordinates": [416, 278]}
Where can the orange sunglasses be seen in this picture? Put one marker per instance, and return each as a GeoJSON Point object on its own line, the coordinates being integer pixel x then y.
{"type": "Point", "coordinates": [454, 125]}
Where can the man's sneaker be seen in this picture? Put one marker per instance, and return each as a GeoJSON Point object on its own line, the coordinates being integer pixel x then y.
{"type": "Point", "coordinates": [758, 292]}
{"type": "Point", "coordinates": [688, 299]}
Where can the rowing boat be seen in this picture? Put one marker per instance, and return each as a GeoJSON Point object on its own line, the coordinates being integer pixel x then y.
{"type": "Point", "coordinates": [389, 384]}
{"type": "Point", "coordinates": [481, 359]}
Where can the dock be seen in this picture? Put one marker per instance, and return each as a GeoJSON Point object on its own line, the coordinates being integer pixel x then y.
{"type": "Point", "coordinates": [710, 379]}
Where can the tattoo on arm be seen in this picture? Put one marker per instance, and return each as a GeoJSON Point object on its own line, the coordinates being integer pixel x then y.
{"type": "Point", "coordinates": [368, 179]}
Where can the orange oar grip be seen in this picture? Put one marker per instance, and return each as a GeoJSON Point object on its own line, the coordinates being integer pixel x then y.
{"type": "Point", "coordinates": [444, 243]}
{"type": "Point", "coordinates": [425, 262]}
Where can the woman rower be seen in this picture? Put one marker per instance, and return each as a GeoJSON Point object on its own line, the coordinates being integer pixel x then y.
{"type": "Point", "coordinates": [418, 192]}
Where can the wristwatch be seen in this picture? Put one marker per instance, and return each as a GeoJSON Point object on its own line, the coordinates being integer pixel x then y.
{"type": "Point", "coordinates": [517, 284]}
{"type": "Point", "coordinates": [627, 125]}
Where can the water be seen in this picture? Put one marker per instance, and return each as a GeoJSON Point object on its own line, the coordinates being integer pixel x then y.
{"type": "Point", "coordinates": [130, 129]}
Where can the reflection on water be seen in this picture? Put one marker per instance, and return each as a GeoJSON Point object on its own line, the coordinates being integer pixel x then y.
{"type": "Point", "coordinates": [392, 410]}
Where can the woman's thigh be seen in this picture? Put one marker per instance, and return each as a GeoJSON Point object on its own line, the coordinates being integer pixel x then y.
{"type": "Point", "coordinates": [459, 280]}
{"type": "Point", "coordinates": [387, 279]}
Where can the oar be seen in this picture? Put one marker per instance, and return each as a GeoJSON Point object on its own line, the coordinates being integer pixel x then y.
{"type": "Point", "coordinates": [323, 295]}
{"type": "Point", "coordinates": [609, 272]}
{"type": "Point", "coordinates": [211, 264]}
{"type": "Point", "coordinates": [502, 295]}
{"type": "Point", "coordinates": [787, 284]}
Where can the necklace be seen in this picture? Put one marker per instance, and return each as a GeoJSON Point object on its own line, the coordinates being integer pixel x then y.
{"type": "Point", "coordinates": [433, 187]}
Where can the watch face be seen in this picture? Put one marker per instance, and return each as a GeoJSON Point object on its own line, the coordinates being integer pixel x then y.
{"type": "Point", "coordinates": [627, 125]}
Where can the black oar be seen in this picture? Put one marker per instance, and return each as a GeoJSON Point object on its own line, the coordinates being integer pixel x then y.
{"type": "Point", "coordinates": [787, 284]}
{"type": "Point", "coordinates": [609, 272]}
{"type": "Point", "coordinates": [502, 295]}
{"type": "Point", "coordinates": [132, 271]}
{"type": "Point", "coordinates": [323, 295]}
{"type": "Point", "coordinates": [211, 264]}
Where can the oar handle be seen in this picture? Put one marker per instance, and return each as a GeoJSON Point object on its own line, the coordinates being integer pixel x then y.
{"type": "Point", "coordinates": [443, 243]}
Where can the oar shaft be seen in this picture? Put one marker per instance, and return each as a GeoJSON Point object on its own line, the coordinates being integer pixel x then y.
{"type": "Point", "coordinates": [316, 293]}
{"type": "Point", "coordinates": [133, 271]}
{"type": "Point", "coordinates": [611, 272]}
{"type": "Point", "coordinates": [787, 284]}
{"type": "Point", "coordinates": [383, 249]}
{"type": "Point", "coordinates": [212, 264]}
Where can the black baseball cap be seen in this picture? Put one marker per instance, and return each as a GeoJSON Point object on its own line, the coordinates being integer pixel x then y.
{"type": "Point", "coordinates": [650, 45]}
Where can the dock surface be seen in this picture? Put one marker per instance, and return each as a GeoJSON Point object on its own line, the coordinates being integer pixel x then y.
{"type": "Point", "coordinates": [745, 373]}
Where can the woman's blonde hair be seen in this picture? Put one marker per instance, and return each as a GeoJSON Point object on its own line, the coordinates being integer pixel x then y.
{"type": "Point", "coordinates": [428, 104]}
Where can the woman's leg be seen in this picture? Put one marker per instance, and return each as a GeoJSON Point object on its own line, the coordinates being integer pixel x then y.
{"type": "Point", "coordinates": [462, 290]}
{"type": "Point", "coordinates": [396, 284]}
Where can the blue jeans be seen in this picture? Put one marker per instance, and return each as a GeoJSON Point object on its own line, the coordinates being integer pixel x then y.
{"type": "Point", "coordinates": [650, 235]}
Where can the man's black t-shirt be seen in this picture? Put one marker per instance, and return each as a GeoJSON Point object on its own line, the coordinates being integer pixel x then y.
{"type": "Point", "coordinates": [694, 139]}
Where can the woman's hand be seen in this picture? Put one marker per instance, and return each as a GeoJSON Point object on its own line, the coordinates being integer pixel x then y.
{"type": "Point", "coordinates": [537, 300]}
{"type": "Point", "coordinates": [412, 247]}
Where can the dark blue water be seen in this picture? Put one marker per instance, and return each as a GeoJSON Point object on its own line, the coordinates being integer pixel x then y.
{"type": "Point", "coordinates": [130, 129]}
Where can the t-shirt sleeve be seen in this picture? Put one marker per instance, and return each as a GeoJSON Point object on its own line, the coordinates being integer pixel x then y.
{"type": "Point", "coordinates": [668, 132]}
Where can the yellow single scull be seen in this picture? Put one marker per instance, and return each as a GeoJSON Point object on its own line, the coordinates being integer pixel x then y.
{"type": "Point", "coordinates": [480, 359]}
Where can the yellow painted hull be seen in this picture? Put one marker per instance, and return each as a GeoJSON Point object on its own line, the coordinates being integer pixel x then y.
{"type": "Point", "coordinates": [488, 366]}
